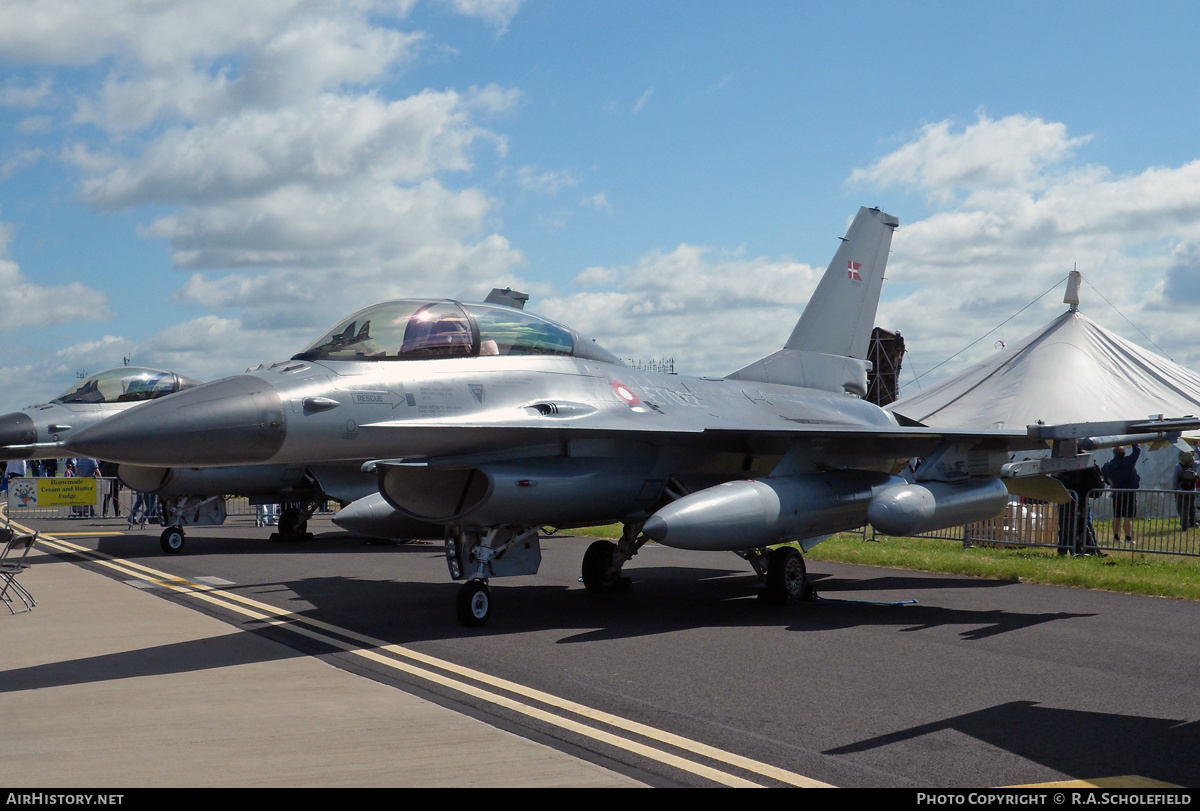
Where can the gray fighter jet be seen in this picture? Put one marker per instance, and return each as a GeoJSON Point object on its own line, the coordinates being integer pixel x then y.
{"type": "Point", "coordinates": [186, 496]}
{"type": "Point", "coordinates": [494, 423]}
{"type": "Point", "coordinates": [38, 431]}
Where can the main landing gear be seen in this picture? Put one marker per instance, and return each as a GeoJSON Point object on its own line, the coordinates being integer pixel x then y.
{"type": "Point", "coordinates": [785, 578]}
{"type": "Point", "coordinates": [603, 561]}
{"type": "Point", "coordinates": [293, 523]}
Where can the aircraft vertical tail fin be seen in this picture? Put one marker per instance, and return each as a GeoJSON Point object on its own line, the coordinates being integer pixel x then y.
{"type": "Point", "coordinates": [841, 313]}
{"type": "Point", "coordinates": [828, 346]}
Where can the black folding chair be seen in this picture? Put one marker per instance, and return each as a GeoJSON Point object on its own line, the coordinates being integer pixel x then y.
{"type": "Point", "coordinates": [12, 563]}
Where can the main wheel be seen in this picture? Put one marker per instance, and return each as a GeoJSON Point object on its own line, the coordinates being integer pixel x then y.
{"type": "Point", "coordinates": [171, 540]}
{"type": "Point", "coordinates": [292, 524]}
{"type": "Point", "coordinates": [598, 574]}
{"type": "Point", "coordinates": [474, 603]}
{"type": "Point", "coordinates": [787, 578]}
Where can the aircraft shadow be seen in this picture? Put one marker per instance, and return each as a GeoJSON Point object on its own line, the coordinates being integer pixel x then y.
{"type": "Point", "coordinates": [144, 544]}
{"type": "Point", "coordinates": [1077, 743]}
{"type": "Point", "coordinates": [660, 600]}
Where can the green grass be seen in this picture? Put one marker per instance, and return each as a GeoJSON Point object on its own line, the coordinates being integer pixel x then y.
{"type": "Point", "coordinates": [1126, 572]}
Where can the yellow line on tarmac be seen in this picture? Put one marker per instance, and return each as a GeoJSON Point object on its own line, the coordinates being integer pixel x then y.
{"type": "Point", "coordinates": [1123, 781]}
{"type": "Point", "coordinates": [274, 616]}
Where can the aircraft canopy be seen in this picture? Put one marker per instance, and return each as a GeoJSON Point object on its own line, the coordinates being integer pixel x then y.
{"type": "Point", "coordinates": [127, 384]}
{"type": "Point", "coordinates": [424, 330]}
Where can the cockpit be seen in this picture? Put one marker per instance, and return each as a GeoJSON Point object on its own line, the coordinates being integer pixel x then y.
{"type": "Point", "coordinates": [128, 384]}
{"type": "Point", "coordinates": [424, 330]}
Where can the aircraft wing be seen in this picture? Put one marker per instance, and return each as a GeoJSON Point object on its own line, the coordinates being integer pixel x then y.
{"type": "Point", "coordinates": [884, 442]}
{"type": "Point", "coordinates": [468, 439]}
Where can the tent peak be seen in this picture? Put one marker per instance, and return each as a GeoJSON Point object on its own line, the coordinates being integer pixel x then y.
{"type": "Point", "coordinates": [1074, 279]}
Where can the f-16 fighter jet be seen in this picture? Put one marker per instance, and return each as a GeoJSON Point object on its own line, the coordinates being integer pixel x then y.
{"type": "Point", "coordinates": [493, 423]}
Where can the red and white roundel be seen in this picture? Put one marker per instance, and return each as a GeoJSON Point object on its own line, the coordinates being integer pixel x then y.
{"type": "Point", "coordinates": [625, 393]}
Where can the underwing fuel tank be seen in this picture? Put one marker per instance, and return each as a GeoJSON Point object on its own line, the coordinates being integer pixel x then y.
{"type": "Point", "coordinates": [910, 509]}
{"type": "Point", "coordinates": [752, 513]}
{"type": "Point", "coordinates": [373, 517]}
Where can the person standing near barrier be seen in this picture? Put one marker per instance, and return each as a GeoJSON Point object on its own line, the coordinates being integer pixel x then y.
{"type": "Point", "coordinates": [1184, 481]}
{"type": "Point", "coordinates": [16, 469]}
{"type": "Point", "coordinates": [87, 467]}
{"type": "Point", "coordinates": [112, 488]}
{"type": "Point", "coordinates": [140, 510]}
{"type": "Point", "coordinates": [1076, 534]}
{"type": "Point", "coordinates": [1122, 475]}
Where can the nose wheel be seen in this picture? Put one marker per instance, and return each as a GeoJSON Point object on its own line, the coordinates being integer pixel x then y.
{"type": "Point", "coordinates": [474, 603]}
{"type": "Point", "coordinates": [171, 540]}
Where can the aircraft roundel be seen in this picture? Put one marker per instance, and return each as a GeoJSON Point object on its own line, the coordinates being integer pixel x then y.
{"type": "Point", "coordinates": [625, 393]}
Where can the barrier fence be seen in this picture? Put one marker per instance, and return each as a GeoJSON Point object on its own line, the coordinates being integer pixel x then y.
{"type": "Point", "coordinates": [1164, 522]}
{"type": "Point", "coordinates": [111, 498]}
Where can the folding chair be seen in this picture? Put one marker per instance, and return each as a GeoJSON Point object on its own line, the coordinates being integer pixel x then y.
{"type": "Point", "coordinates": [12, 563]}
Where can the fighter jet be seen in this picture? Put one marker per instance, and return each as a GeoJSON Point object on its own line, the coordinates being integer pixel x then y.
{"type": "Point", "coordinates": [494, 423]}
{"type": "Point", "coordinates": [38, 431]}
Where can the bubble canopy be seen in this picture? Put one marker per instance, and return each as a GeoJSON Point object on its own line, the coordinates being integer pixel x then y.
{"type": "Point", "coordinates": [127, 384]}
{"type": "Point", "coordinates": [413, 329]}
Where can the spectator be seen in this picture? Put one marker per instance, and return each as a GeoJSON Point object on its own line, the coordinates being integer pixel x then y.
{"type": "Point", "coordinates": [1122, 475]}
{"type": "Point", "coordinates": [112, 488]}
{"type": "Point", "coordinates": [1184, 482]}
{"type": "Point", "coordinates": [1076, 535]}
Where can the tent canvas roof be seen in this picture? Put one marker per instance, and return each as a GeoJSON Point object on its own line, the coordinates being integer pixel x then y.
{"type": "Point", "coordinates": [1071, 370]}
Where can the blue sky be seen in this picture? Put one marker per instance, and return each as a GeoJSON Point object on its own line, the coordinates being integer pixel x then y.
{"type": "Point", "coordinates": [206, 186]}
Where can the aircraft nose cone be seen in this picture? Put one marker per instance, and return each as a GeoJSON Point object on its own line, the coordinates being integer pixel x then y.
{"type": "Point", "coordinates": [238, 420]}
{"type": "Point", "coordinates": [17, 429]}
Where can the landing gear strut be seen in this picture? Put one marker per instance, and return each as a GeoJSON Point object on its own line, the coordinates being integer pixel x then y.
{"type": "Point", "coordinates": [479, 553]}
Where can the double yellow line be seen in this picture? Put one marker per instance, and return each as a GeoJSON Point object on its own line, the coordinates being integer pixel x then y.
{"type": "Point", "coordinates": [568, 715]}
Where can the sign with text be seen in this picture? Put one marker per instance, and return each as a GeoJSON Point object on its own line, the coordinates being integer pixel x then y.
{"type": "Point", "coordinates": [66, 492]}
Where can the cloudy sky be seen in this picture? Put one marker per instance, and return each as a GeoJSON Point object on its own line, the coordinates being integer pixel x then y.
{"type": "Point", "coordinates": [203, 186]}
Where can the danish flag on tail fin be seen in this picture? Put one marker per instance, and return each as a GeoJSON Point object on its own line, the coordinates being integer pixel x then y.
{"type": "Point", "coordinates": [852, 269]}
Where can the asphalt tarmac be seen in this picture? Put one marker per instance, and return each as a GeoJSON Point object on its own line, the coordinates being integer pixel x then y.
{"type": "Point", "coordinates": [340, 663]}
{"type": "Point", "coordinates": [103, 685]}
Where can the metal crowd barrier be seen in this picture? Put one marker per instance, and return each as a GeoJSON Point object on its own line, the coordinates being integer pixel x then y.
{"type": "Point", "coordinates": [1164, 523]}
{"type": "Point", "coordinates": [114, 499]}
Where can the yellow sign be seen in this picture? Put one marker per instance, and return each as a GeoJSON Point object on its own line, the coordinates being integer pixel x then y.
{"type": "Point", "coordinates": [70, 492]}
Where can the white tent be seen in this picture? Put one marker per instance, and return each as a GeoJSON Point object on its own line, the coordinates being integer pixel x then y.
{"type": "Point", "coordinates": [1071, 370]}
